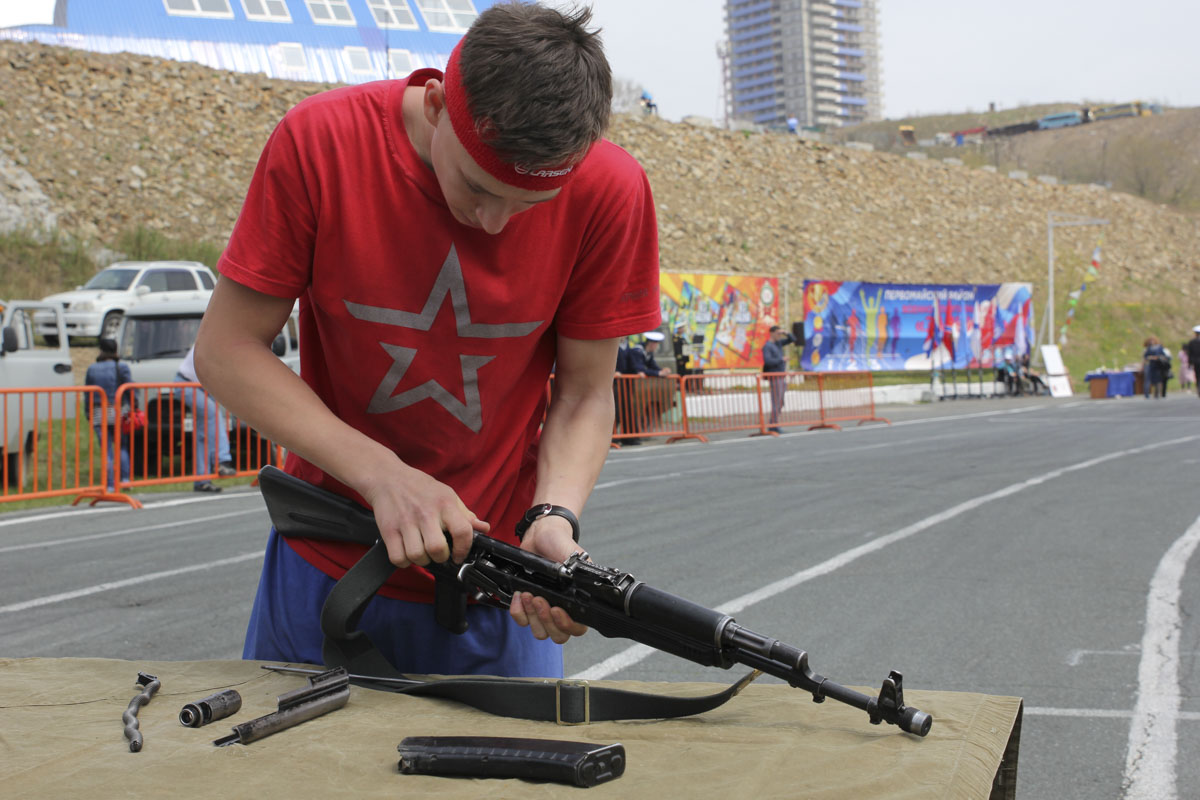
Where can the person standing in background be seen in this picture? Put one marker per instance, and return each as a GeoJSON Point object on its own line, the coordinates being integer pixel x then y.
{"type": "Point", "coordinates": [209, 424]}
{"type": "Point", "coordinates": [774, 365]}
{"type": "Point", "coordinates": [1192, 348]}
{"type": "Point", "coordinates": [110, 375]}
{"type": "Point", "coordinates": [1156, 364]}
{"type": "Point", "coordinates": [640, 358]}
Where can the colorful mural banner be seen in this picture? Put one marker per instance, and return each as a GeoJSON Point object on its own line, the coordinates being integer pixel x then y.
{"type": "Point", "coordinates": [723, 320]}
{"type": "Point", "coordinates": [850, 325]}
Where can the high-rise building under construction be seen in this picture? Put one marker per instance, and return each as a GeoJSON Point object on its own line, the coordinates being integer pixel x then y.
{"type": "Point", "coordinates": [815, 62]}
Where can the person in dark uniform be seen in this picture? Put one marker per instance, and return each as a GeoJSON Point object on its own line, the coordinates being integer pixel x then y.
{"type": "Point", "coordinates": [1193, 353]}
{"type": "Point", "coordinates": [621, 394]}
{"type": "Point", "coordinates": [774, 365]}
{"type": "Point", "coordinates": [1156, 365]}
{"type": "Point", "coordinates": [641, 357]}
{"type": "Point", "coordinates": [646, 401]}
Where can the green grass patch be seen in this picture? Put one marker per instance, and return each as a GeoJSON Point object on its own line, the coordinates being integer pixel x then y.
{"type": "Point", "coordinates": [33, 265]}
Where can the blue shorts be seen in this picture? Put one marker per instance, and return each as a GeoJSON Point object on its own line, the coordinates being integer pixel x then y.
{"type": "Point", "coordinates": [285, 625]}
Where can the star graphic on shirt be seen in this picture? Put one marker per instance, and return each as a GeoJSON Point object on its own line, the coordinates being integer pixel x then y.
{"type": "Point", "coordinates": [449, 283]}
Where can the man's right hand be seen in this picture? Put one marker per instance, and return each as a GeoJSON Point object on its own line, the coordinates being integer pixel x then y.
{"type": "Point", "coordinates": [414, 513]}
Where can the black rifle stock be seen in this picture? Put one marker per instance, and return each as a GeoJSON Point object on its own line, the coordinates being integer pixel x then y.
{"type": "Point", "coordinates": [611, 602]}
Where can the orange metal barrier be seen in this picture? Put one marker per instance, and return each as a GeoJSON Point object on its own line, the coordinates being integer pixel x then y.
{"type": "Point", "coordinates": [718, 403]}
{"type": "Point", "coordinates": [644, 407]}
{"type": "Point", "coordinates": [182, 423]}
{"type": "Point", "coordinates": [798, 398]}
{"type": "Point", "coordinates": [51, 448]}
{"type": "Point", "coordinates": [725, 402]}
{"type": "Point", "coordinates": [848, 397]}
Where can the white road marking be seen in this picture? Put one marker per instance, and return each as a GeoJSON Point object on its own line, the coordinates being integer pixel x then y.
{"type": "Point", "coordinates": [636, 653]}
{"type": "Point", "coordinates": [93, 536]}
{"type": "Point", "coordinates": [1075, 657]}
{"type": "Point", "coordinates": [1153, 741]}
{"type": "Point", "coordinates": [108, 587]}
{"type": "Point", "coordinates": [1098, 713]}
{"type": "Point", "coordinates": [79, 512]}
{"type": "Point", "coordinates": [662, 476]}
{"type": "Point", "coordinates": [653, 447]}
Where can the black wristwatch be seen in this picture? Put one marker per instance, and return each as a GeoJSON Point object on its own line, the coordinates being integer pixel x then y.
{"type": "Point", "coordinates": [548, 510]}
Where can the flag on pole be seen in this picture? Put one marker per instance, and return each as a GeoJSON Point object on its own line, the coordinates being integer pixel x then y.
{"type": "Point", "coordinates": [1020, 342]}
{"type": "Point", "coordinates": [1073, 298]}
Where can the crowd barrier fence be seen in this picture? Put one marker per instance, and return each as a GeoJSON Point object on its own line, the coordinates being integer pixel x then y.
{"type": "Point", "coordinates": [183, 423]}
{"type": "Point", "coordinates": [52, 448]}
{"type": "Point", "coordinates": [645, 406]}
{"type": "Point", "coordinates": [728, 402]}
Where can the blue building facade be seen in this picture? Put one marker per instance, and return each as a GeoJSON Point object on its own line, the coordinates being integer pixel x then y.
{"type": "Point", "coordinates": [334, 41]}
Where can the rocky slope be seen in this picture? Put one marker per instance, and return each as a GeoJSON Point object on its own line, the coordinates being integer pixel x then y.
{"type": "Point", "coordinates": [104, 143]}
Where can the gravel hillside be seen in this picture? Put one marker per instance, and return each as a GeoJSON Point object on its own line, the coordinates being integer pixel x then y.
{"type": "Point", "coordinates": [98, 144]}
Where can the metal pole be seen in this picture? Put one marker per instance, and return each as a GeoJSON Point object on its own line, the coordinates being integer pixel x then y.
{"type": "Point", "coordinates": [1050, 279]}
{"type": "Point", "coordinates": [1055, 219]}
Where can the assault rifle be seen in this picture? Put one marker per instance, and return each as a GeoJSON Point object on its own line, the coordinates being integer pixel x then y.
{"type": "Point", "coordinates": [611, 602]}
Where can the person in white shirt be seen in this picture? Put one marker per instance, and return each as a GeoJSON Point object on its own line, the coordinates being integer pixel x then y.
{"type": "Point", "coordinates": [207, 426]}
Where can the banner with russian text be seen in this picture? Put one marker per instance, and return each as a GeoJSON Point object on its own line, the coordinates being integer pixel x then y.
{"type": "Point", "coordinates": [722, 320]}
{"type": "Point", "coordinates": [851, 325]}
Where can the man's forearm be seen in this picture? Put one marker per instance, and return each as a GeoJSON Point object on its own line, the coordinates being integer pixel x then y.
{"type": "Point", "coordinates": [258, 388]}
{"type": "Point", "coordinates": [573, 447]}
{"type": "Point", "coordinates": [235, 363]}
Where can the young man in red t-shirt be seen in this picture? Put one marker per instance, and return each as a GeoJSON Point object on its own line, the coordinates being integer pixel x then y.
{"type": "Point", "coordinates": [451, 238]}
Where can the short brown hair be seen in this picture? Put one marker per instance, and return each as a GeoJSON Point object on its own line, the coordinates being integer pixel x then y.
{"type": "Point", "coordinates": [539, 85]}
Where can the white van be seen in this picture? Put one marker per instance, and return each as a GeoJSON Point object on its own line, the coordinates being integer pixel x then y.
{"type": "Point", "coordinates": [155, 337]}
{"type": "Point", "coordinates": [153, 340]}
{"type": "Point", "coordinates": [26, 364]}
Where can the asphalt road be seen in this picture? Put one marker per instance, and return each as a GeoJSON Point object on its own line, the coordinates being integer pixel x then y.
{"type": "Point", "coordinates": [1035, 548]}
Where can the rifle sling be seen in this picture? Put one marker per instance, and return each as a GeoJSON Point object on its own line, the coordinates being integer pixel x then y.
{"type": "Point", "coordinates": [567, 702]}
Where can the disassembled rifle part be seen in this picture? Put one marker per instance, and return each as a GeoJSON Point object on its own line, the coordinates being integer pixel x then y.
{"type": "Point", "coordinates": [150, 685]}
{"type": "Point", "coordinates": [325, 692]}
{"type": "Point", "coordinates": [212, 708]}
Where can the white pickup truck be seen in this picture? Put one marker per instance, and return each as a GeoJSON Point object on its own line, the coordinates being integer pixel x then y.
{"type": "Point", "coordinates": [27, 365]}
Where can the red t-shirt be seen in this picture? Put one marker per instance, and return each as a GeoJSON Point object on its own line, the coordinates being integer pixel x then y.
{"type": "Point", "coordinates": [432, 337]}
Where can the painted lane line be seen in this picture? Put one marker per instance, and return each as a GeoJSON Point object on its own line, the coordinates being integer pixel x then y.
{"type": "Point", "coordinates": [664, 476]}
{"type": "Point", "coordinates": [632, 655]}
{"type": "Point", "coordinates": [1098, 713]}
{"type": "Point", "coordinates": [111, 585]}
{"type": "Point", "coordinates": [94, 536]}
{"type": "Point", "coordinates": [1153, 740]}
{"type": "Point", "coordinates": [79, 512]}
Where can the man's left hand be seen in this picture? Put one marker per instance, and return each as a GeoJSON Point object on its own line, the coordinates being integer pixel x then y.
{"type": "Point", "coordinates": [549, 537]}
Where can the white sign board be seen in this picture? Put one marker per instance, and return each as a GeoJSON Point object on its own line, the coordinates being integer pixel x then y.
{"type": "Point", "coordinates": [1053, 360]}
{"type": "Point", "coordinates": [1060, 386]}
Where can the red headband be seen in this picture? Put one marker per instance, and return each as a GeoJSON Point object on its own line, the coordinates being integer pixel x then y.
{"type": "Point", "coordinates": [463, 121]}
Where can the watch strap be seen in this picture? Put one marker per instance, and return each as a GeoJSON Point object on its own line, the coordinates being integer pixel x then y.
{"type": "Point", "coordinates": [548, 510]}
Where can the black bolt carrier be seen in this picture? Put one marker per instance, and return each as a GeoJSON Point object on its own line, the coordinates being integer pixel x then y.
{"type": "Point", "coordinates": [325, 692]}
{"type": "Point", "coordinates": [210, 709]}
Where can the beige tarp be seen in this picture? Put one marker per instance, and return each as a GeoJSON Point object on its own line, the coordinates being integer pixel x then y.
{"type": "Point", "coordinates": [61, 736]}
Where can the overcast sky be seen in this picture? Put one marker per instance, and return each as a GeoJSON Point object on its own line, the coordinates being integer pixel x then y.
{"type": "Point", "coordinates": [941, 55]}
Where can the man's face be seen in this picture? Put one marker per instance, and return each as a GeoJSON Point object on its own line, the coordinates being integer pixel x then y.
{"type": "Point", "coordinates": [474, 197]}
